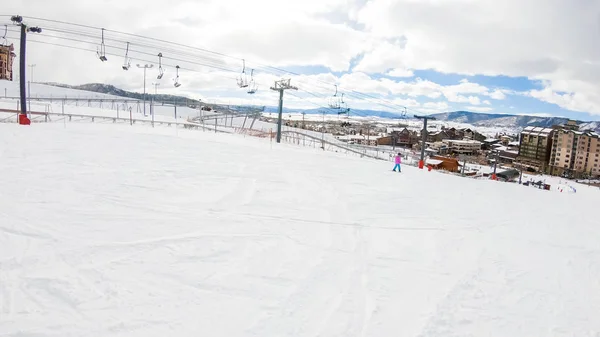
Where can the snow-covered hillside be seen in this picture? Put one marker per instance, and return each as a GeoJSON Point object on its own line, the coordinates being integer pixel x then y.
{"type": "Point", "coordinates": [118, 230]}
{"type": "Point", "coordinates": [38, 90]}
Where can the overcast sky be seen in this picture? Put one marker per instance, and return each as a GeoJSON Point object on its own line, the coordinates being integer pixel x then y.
{"type": "Point", "coordinates": [510, 56]}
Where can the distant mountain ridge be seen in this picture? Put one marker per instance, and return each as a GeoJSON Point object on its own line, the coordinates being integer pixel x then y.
{"type": "Point", "coordinates": [504, 120]}
{"type": "Point", "coordinates": [467, 117]}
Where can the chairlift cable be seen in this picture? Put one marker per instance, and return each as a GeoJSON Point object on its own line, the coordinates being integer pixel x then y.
{"type": "Point", "coordinates": [208, 51]}
{"type": "Point", "coordinates": [192, 62]}
{"type": "Point", "coordinates": [133, 58]}
{"type": "Point", "coordinates": [139, 44]}
{"type": "Point", "coordinates": [353, 93]}
{"type": "Point", "coordinates": [151, 54]}
{"type": "Point", "coordinates": [145, 53]}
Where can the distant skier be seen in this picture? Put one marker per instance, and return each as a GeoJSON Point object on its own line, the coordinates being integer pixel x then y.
{"type": "Point", "coordinates": [398, 161]}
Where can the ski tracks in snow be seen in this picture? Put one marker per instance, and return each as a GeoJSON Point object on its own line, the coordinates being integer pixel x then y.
{"type": "Point", "coordinates": [312, 308]}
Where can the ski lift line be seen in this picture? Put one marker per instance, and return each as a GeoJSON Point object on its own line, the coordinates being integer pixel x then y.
{"type": "Point", "coordinates": [195, 56]}
{"type": "Point", "coordinates": [201, 49]}
{"type": "Point", "coordinates": [149, 54]}
{"type": "Point", "coordinates": [136, 51]}
{"type": "Point", "coordinates": [215, 53]}
{"type": "Point", "coordinates": [111, 54]}
{"type": "Point", "coordinates": [346, 108]}
{"type": "Point", "coordinates": [139, 44]}
{"type": "Point", "coordinates": [146, 60]}
{"type": "Point", "coordinates": [317, 96]}
{"type": "Point", "coordinates": [137, 59]}
{"type": "Point", "coordinates": [331, 111]}
{"type": "Point", "coordinates": [133, 35]}
{"type": "Point", "coordinates": [211, 64]}
{"type": "Point", "coordinates": [269, 67]}
{"type": "Point", "coordinates": [364, 96]}
{"type": "Point", "coordinates": [318, 105]}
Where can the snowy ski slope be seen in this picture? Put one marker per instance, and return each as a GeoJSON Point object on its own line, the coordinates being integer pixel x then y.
{"type": "Point", "coordinates": [118, 230]}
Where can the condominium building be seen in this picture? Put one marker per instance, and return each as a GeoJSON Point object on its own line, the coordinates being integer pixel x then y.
{"type": "Point", "coordinates": [469, 147]}
{"type": "Point", "coordinates": [6, 62]}
{"type": "Point", "coordinates": [575, 153]}
{"type": "Point", "coordinates": [535, 147]}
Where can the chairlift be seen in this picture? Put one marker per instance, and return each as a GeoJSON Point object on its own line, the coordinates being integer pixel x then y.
{"type": "Point", "coordinates": [127, 62]}
{"type": "Point", "coordinates": [176, 81]}
{"type": "Point", "coordinates": [253, 86]}
{"type": "Point", "coordinates": [344, 109]}
{"type": "Point", "coordinates": [334, 102]}
{"type": "Point", "coordinates": [242, 81]}
{"type": "Point", "coordinates": [102, 50]}
{"type": "Point", "coordinates": [161, 72]}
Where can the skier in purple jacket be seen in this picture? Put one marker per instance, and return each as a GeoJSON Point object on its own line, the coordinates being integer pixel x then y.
{"type": "Point", "coordinates": [398, 161]}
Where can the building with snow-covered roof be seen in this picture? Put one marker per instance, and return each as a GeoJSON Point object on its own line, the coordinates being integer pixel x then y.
{"type": "Point", "coordinates": [443, 163]}
{"type": "Point", "coordinates": [535, 146]}
{"type": "Point", "coordinates": [358, 139]}
{"type": "Point", "coordinates": [575, 153]}
{"type": "Point", "coordinates": [400, 136]}
{"type": "Point", "coordinates": [469, 147]}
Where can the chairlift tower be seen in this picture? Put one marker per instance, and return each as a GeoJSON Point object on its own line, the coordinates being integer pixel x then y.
{"type": "Point", "coordinates": [281, 86]}
{"type": "Point", "coordinates": [145, 66]}
{"type": "Point", "coordinates": [424, 138]}
{"type": "Point", "coordinates": [155, 87]}
{"type": "Point", "coordinates": [18, 20]}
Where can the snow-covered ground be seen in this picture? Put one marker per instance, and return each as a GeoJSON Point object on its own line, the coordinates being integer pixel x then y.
{"type": "Point", "coordinates": [118, 230]}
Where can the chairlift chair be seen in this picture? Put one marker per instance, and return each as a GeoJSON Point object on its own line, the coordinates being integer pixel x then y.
{"type": "Point", "coordinates": [334, 102]}
{"type": "Point", "coordinates": [242, 81]}
{"type": "Point", "coordinates": [127, 62]}
{"type": "Point", "coordinates": [5, 43]}
{"type": "Point", "coordinates": [176, 81]}
{"type": "Point", "coordinates": [253, 86]}
{"type": "Point", "coordinates": [102, 50]}
{"type": "Point", "coordinates": [161, 72]}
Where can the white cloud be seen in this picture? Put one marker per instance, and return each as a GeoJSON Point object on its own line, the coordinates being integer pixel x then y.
{"type": "Point", "coordinates": [453, 97]}
{"type": "Point", "coordinates": [383, 56]}
{"type": "Point", "coordinates": [399, 72]}
{"type": "Point", "coordinates": [486, 102]}
{"type": "Point", "coordinates": [438, 106]}
{"type": "Point", "coordinates": [554, 41]}
{"type": "Point", "coordinates": [479, 108]}
{"type": "Point", "coordinates": [575, 101]}
{"type": "Point", "coordinates": [497, 94]}
{"type": "Point", "coordinates": [417, 88]}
